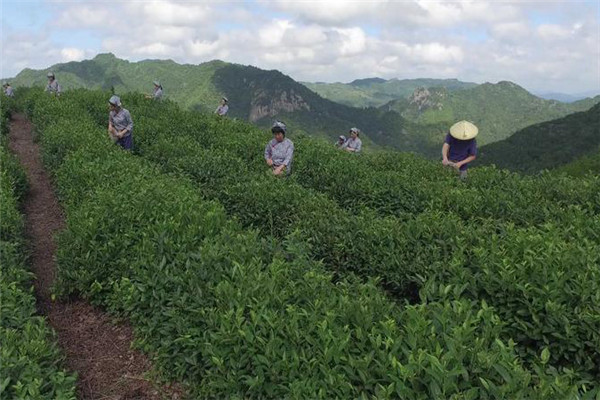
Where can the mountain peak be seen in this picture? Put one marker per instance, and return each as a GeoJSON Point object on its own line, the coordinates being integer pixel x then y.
{"type": "Point", "coordinates": [105, 57]}
{"type": "Point", "coordinates": [367, 81]}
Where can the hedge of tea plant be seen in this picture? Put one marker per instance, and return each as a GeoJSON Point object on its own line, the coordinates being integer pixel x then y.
{"type": "Point", "coordinates": [547, 309]}
{"type": "Point", "coordinates": [30, 361]}
{"type": "Point", "coordinates": [236, 314]}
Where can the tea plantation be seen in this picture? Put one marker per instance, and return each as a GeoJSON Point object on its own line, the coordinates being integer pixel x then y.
{"type": "Point", "coordinates": [371, 276]}
{"type": "Point", "coordinates": [29, 358]}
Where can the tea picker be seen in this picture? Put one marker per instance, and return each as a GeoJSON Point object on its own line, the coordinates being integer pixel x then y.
{"type": "Point", "coordinates": [279, 152]}
{"type": "Point", "coordinates": [460, 147]}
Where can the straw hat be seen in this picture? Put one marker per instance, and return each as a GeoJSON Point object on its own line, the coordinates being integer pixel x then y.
{"type": "Point", "coordinates": [463, 130]}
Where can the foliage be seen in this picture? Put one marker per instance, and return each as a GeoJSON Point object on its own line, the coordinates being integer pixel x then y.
{"type": "Point", "coordinates": [235, 313]}
{"type": "Point", "coordinates": [547, 145]}
{"type": "Point", "coordinates": [29, 358]}
{"type": "Point", "coordinates": [438, 224]}
{"type": "Point", "coordinates": [499, 110]}
{"type": "Point", "coordinates": [376, 92]}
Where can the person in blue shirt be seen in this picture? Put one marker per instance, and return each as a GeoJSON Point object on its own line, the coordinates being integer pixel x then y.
{"type": "Point", "coordinates": [460, 147]}
{"type": "Point", "coordinates": [223, 108]}
{"type": "Point", "coordinates": [8, 90]}
{"type": "Point", "coordinates": [354, 144]}
{"type": "Point", "coordinates": [53, 87]}
{"type": "Point", "coordinates": [279, 152]}
{"type": "Point", "coordinates": [157, 93]}
{"type": "Point", "coordinates": [120, 124]}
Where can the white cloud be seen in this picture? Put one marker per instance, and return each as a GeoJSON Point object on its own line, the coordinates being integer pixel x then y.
{"type": "Point", "coordinates": [353, 41]}
{"type": "Point", "coordinates": [552, 32]}
{"type": "Point", "coordinates": [72, 54]}
{"type": "Point", "coordinates": [335, 40]}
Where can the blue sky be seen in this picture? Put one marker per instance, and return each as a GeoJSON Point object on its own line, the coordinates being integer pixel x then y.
{"type": "Point", "coordinates": [544, 46]}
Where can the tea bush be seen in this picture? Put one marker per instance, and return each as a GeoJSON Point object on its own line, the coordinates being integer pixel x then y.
{"type": "Point", "coordinates": [30, 361]}
{"type": "Point", "coordinates": [235, 313]}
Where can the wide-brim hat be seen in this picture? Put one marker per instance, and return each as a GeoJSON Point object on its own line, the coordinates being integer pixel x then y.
{"type": "Point", "coordinates": [50, 74]}
{"type": "Point", "coordinates": [156, 83]}
{"type": "Point", "coordinates": [225, 98]}
{"type": "Point", "coordinates": [463, 130]}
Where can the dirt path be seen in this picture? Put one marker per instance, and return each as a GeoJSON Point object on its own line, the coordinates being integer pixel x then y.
{"type": "Point", "coordinates": [95, 347]}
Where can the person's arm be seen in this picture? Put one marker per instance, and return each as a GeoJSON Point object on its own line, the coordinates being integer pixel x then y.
{"type": "Point", "coordinates": [129, 126]}
{"type": "Point", "coordinates": [58, 89]}
{"type": "Point", "coordinates": [472, 151]}
{"type": "Point", "coordinates": [445, 150]}
{"type": "Point", "coordinates": [358, 146]}
{"type": "Point", "coordinates": [268, 154]}
{"type": "Point", "coordinates": [459, 164]}
{"type": "Point", "coordinates": [289, 153]}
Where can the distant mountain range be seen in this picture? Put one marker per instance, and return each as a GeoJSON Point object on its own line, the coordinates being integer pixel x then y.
{"type": "Point", "coordinates": [413, 115]}
{"type": "Point", "coordinates": [375, 92]}
{"type": "Point", "coordinates": [498, 110]}
{"type": "Point", "coordinates": [549, 145]}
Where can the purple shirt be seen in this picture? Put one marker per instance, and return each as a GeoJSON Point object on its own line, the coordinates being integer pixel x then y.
{"type": "Point", "coordinates": [460, 149]}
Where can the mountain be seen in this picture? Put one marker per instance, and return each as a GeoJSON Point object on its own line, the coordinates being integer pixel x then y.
{"type": "Point", "coordinates": [549, 144]}
{"type": "Point", "coordinates": [588, 164]}
{"type": "Point", "coordinates": [562, 97]}
{"type": "Point", "coordinates": [263, 95]}
{"type": "Point", "coordinates": [189, 85]}
{"type": "Point", "coordinates": [255, 95]}
{"type": "Point", "coordinates": [375, 92]}
{"type": "Point", "coordinates": [498, 110]}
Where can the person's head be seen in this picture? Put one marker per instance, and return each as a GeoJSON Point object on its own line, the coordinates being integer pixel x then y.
{"type": "Point", "coordinates": [224, 100]}
{"type": "Point", "coordinates": [156, 84]}
{"type": "Point", "coordinates": [114, 102]}
{"type": "Point", "coordinates": [5, 84]}
{"type": "Point", "coordinates": [354, 133]}
{"type": "Point", "coordinates": [50, 76]}
{"type": "Point", "coordinates": [342, 139]}
{"type": "Point", "coordinates": [278, 130]}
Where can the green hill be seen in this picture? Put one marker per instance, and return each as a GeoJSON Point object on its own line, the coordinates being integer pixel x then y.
{"type": "Point", "coordinates": [189, 85]}
{"type": "Point", "coordinates": [375, 92]}
{"type": "Point", "coordinates": [415, 124]}
{"type": "Point", "coordinates": [498, 110]}
{"type": "Point", "coordinates": [588, 164]}
{"type": "Point", "coordinates": [549, 145]}
{"type": "Point", "coordinates": [255, 95]}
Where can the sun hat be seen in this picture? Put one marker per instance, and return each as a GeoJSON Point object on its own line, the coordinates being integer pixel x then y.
{"type": "Point", "coordinates": [50, 75]}
{"type": "Point", "coordinates": [279, 126]}
{"type": "Point", "coordinates": [156, 83]}
{"type": "Point", "coordinates": [463, 130]}
{"type": "Point", "coordinates": [225, 98]}
{"type": "Point", "coordinates": [115, 101]}
{"type": "Point", "coordinates": [342, 137]}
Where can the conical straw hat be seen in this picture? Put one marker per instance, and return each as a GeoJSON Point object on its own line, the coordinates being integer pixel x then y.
{"type": "Point", "coordinates": [463, 130]}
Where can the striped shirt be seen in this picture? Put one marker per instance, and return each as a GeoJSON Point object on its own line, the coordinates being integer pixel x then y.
{"type": "Point", "coordinates": [121, 120]}
{"type": "Point", "coordinates": [222, 110]}
{"type": "Point", "coordinates": [53, 87]}
{"type": "Point", "coordinates": [281, 153]}
{"type": "Point", "coordinates": [158, 93]}
{"type": "Point", "coordinates": [355, 144]}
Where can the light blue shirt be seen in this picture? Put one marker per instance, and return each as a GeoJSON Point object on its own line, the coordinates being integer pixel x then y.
{"type": "Point", "coordinates": [53, 87]}
{"type": "Point", "coordinates": [355, 144]}
{"type": "Point", "coordinates": [121, 120]}
{"type": "Point", "coordinates": [222, 110]}
{"type": "Point", "coordinates": [281, 153]}
{"type": "Point", "coordinates": [158, 93]}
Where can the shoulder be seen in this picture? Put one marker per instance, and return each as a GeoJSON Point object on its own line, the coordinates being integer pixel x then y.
{"type": "Point", "coordinates": [288, 141]}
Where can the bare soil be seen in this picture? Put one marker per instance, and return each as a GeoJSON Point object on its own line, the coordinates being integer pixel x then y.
{"type": "Point", "coordinates": [96, 347]}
